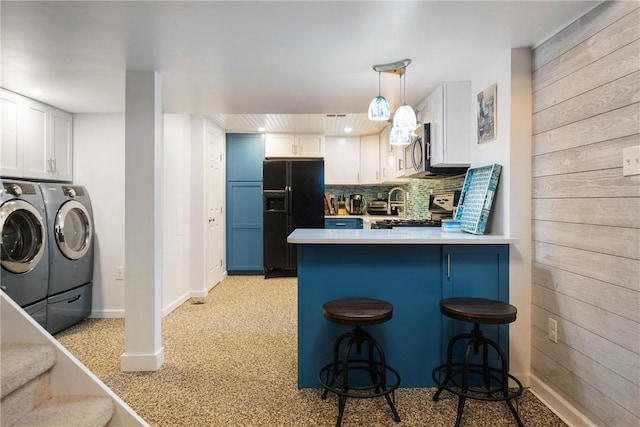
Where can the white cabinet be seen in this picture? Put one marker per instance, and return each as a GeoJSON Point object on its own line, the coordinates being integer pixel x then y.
{"type": "Point", "coordinates": [289, 145]}
{"type": "Point", "coordinates": [369, 159]}
{"type": "Point", "coordinates": [391, 159]}
{"type": "Point", "coordinates": [352, 160]}
{"type": "Point", "coordinates": [11, 109]}
{"type": "Point", "coordinates": [449, 112]}
{"type": "Point", "coordinates": [41, 145]}
{"type": "Point", "coordinates": [341, 160]}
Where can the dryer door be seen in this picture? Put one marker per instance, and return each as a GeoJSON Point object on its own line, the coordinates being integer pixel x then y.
{"type": "Point", "coordinates": [73, 230]}
{"type": "Point", "coordinates": [23, 236]}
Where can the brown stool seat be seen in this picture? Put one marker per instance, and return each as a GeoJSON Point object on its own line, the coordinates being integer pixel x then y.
{"type": "Point", "coordinates": [357, 311]}
{"type": "Point", "coordinates": [478, 310]}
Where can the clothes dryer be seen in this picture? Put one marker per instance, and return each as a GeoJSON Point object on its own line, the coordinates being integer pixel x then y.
{"type": "Point", "coordinates": [25, 256]}
{"type": "Point", "coordinates": [70, 230]}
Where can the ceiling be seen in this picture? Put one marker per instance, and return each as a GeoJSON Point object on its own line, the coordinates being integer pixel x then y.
{"type": "Point", "coordinates": [283, 65]}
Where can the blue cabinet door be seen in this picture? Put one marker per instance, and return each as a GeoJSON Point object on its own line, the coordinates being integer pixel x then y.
{"type": "Point", "coordinates": [351, 223]}
{"type": "Point", "coordinates": [480, 271]}
{"type": "Point", "coordinates": [245, 153]}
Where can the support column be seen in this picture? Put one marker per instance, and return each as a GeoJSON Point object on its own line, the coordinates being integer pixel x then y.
{"type": "Point", "coordinates": [143, 223]}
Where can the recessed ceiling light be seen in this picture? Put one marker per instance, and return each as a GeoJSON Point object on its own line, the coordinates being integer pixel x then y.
{"type": "Point", "coordinates": [348, 129]}
{"type": "Point", "coordinates": [261, 129]}
{"type": "Point", "coordinates": [38, 92]}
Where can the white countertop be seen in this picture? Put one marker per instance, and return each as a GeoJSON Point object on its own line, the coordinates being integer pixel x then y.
{"type": "Point", "coordinates": [395, 236]}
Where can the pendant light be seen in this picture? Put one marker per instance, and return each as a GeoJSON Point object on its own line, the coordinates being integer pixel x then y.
{"type": "Point", "coordinates": [379, 108]}
{"type": "Point", "coordinates": [405, 117]}
{"type": "Point", "coordinates": [400, 136]}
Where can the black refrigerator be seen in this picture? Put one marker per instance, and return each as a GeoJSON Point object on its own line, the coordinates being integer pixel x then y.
{"type": "Point", "coordinates": [292, 197]}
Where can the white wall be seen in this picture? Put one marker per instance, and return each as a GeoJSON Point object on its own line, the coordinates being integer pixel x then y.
{"type": "Point", "coordinates": [176, 200]}
{"type": "Point", "coordinates": [511, 212]}
{"type": "Point", "coordinates": [99, 165]}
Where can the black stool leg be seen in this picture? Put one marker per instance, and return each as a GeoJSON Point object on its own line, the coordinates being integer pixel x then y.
{"type": "Point", "coordinates": [383, 378]}
{"type": "Point", "coordinates": [336, 360]}
{"type": "Point", "coordinates": [505, 385]}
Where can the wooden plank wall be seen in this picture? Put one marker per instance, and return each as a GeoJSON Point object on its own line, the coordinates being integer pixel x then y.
{"type": "Point", "coordinates": [586, 215]}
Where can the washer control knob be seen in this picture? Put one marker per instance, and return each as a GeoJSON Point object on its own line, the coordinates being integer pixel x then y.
{"type": "Point", "coordinates": [69, 191]}
{"type": "Point", "coordinates": [14, 189]}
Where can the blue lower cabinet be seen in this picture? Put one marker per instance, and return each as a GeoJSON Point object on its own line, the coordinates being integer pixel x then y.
{"type": "Point", "coordinates": [352, 223]}
{"type": "Point", "coordinates": [478, 271]}
{"type": "Point", "coordinates": [411, 277]}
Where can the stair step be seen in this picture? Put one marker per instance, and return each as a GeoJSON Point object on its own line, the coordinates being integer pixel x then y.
{"type": "Point", "coordinates": [65, 411]}
{"type": "Point", "coordinates": [22, 362]}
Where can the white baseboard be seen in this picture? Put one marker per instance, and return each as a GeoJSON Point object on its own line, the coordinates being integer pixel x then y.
{"type": "Point", "coordinates": [107, 314]}
{"type": "Point", "coordinates": [142, 362]}
{"type": "Point", "coordinates": [558, 404]}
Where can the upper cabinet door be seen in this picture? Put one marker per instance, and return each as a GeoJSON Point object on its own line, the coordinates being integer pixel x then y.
{"type": "Point", "coordinates": [341, 160]}
{"type": "Point", "coordinates": [36, 151]}
{"type": "Point", "coordinates": [370, 159]}
{"type": "Point", "coordinates": [61, 146]}
{"type": "Point", "coordinates": [279, 145]}
{"type": "Point", "coordinates": [309, 145]}
{"type": "Point", "coordinates": [10, 134]}
{"type": "Point", "coordinates": [449, 112]}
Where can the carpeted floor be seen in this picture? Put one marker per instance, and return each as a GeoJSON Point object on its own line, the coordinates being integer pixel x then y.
{"type": "Point", "coordinates": [232, 362]}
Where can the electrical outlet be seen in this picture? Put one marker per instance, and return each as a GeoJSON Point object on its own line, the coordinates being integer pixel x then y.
{"type": "Point", "coordinates": [631, 161]}
{"type": "Point", "coordinates": [553, 330]}
{"type": "Point", "coordinates": [119, 273]}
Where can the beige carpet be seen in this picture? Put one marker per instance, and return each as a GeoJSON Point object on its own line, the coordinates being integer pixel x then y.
{"type": "Point", "coordinates": [232, 362]}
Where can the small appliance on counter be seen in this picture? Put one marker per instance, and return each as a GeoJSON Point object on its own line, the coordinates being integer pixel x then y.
{"type": "Point", "coordinates": [356, 204]}
{"type": "Point", "coordinates": [380, 207]}
{"type": "Point", "coordinates": [442, 206]}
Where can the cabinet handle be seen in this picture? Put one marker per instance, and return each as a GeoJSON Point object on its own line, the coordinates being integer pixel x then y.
{"type": "Point", "coordinates": [55, 166]}
{"type": "Point", "coordinates": [377, 175]}
{"type": "Point", "coordinates": [341, 224]}
{"type": "Point", "coordinates": [448, 266]}
{"type": "Point", "coordinates": [384, 172]}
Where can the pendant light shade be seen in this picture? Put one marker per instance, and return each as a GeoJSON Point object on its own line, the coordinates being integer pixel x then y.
{"type": "Point", "coordinates": [400, 136]}
{"type": "Point", "coordinates": [379, 109]}
{"type": "Point", "coordinates": [405, 117]}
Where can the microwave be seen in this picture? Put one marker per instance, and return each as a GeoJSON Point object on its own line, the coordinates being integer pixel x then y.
{"type": "Point", "coordinates": [417, 158]}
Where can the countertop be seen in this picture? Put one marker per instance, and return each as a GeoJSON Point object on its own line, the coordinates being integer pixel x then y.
{"type": "Point", "coordinates": [395, 236]}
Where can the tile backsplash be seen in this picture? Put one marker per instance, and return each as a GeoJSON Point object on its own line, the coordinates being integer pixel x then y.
{"type": "Point", "coordinates": [417, 190]}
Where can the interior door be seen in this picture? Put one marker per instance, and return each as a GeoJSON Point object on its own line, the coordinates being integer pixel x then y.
{"type": "Point", "coordinates": [214, 180]}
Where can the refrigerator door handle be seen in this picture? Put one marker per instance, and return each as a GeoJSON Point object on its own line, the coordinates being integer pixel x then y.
{"type": "Point", "coordinates": [288, 200]}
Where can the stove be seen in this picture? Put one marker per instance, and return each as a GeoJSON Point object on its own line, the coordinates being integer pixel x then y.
{"type": "Point", "coordinates": [392, 223]}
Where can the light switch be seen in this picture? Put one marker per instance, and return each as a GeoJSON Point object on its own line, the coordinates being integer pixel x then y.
{"type": "Point", "coordinates": [631, 161]}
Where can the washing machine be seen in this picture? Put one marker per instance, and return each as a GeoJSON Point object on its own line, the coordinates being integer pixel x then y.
{"type": "Point", "coordinates": [25, 256]}
{"type": "Point", "coordinates": [70, 229]}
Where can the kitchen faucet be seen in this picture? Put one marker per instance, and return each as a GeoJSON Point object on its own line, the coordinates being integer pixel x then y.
{"type": "Point", "coordinates": [396, 203]}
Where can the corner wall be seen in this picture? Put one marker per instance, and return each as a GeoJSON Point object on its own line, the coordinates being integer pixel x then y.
{"type": "Point", "coordinates": [586, 227]}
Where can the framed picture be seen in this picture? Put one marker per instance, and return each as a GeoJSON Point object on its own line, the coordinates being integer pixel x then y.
{"type": "Point", "coordinates": [487, 114]}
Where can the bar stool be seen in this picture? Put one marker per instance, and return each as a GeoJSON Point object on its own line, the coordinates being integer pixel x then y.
{"type": "Point", "coordinates": [457, 376]}
{"type": "Point", "coordinates": [341, 375]}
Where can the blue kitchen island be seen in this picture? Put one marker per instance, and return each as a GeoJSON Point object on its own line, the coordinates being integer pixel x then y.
{"type": "Point", "coordinates": [412, 268]}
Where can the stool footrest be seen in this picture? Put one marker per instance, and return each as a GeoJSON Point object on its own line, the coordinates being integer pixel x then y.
{"type": "Point", "coordinates": [475, 392]}
{"type": "Point", "coordinates": [331, 381]}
